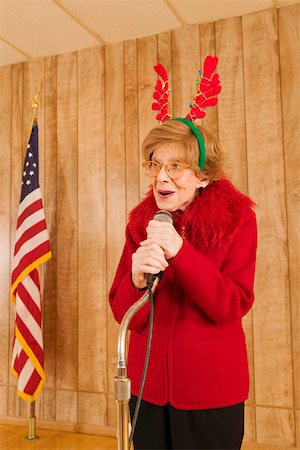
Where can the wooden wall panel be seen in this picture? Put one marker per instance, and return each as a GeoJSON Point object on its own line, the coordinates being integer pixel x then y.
{"type": "Point", "coordinates": [17, 145]}
{"type": "Point", "coordinates": [49, 405]}
{"type": "Point", "coordinates": [67, 239]}
{"type": "Point", "coordinates": [231, 107]}
{"type": "Point", "coordinates": [116, 185]}
{"type": "Point", "coordinates": [92, 408]}
{"type": "Point", "coordinates": [250, 419]}
{"type": "Point", "coordinates": [132, 153]}
{"type": "Point", "coordinates": [5, 176]}
{"type": "Point", "coordinates": [186, 63]}
{"type": "Point", "coordinates": [297, 430]}
{"type": "Point", "coordinates": [92, 303]}
{"type": "Point", "coordinates": [50, 206]}
{"type": "Point", "coordinates": [3, 400]}
{"type": "Point", "coordinates": [67, 406]}
{"type": "Point", "coordinates": [273, 386]}
{"type": "Point", "coordinates": [232, 137]}
{"type": "Point", "coordinates": [164, 56]}
{"type": "Point", "coordinates": [147, 58]}
{"type": "Point", "coordinates": [95, 110]}
{"type": "Point", "coordinates": [33, 84]}
{"type": "Point", "coordinates": [13, 402]}
{"type": "Point", "coordinates": [289, 38]}
{"type": "Point", "coordinates": [275, 427]}
{"type": "Point", "coordinates": [17, 152]}
{"type": "Point", "coordinates": [208, 47]}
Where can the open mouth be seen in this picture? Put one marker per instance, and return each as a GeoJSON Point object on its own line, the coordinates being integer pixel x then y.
{"type": "Point", "coordinates": [165, 194]}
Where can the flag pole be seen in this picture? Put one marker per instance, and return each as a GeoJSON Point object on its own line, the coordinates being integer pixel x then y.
{"type": "Point", "coordinates": [34, 108]}
{"type": "Point", "coordinates": [32, 419]}
{"type": "Point", "coordinates": [34, 105]}
{"type": "Point", "coordinates": [32, 424]}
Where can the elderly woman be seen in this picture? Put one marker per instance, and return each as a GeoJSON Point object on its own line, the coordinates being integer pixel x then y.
{"type": "Point", "coordinates": [197, 378]}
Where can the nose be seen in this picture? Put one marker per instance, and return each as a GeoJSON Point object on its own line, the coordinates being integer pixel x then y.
{"type": "Point", "coordinates": [162, 174]}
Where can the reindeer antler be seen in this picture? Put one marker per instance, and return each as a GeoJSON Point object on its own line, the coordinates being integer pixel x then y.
{"type": "Point", "coordinates": [161, 94]}
{"type": "Point", "coordinates": [209, 88]}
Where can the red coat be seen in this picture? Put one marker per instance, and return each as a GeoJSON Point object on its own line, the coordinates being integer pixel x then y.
{"type": "Point", "coordinates": [198, 356]}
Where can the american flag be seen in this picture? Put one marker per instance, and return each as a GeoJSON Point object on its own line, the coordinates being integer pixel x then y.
{"type": "Point", "coordinates": [32, 248]}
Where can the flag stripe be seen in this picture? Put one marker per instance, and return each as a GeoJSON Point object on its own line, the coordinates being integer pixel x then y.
{"type": "Point", "coordinates": [29, 199]}
{"type": "Point", "coordinates": [29, 339]}
{"type": "Point", "coordinates": [30, 258]}
{"type": "Point", "coordinates": [15, 350]}
{"type": "Point", "coordinates": [29, 246]}
{"type": "Point", "coordinates": [27, 271]}
{"type": "Point", "coordinates": [25, 375]}
{"type": "Point", "coordinates": [29, 233]}
{"type": "Point", "coordinates": [32, 286]}
{"type": "Point", "coordinates": [30, 209]}
{"type": "Point", "coordinates": [34, 217]}
{"type": "Point", "coordinates": [29, 352]}
{"type": "Point", "coordinates": [34, 380]}
{"type": "Point", "coordinates": [26, 301]}
{"type": "Point", "coordinates": [22, 358]}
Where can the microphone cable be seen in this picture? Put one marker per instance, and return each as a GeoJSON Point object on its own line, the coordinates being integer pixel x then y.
{"type": "Point", "coordinates": [146, 363]}
{"type": "Point", "coordinates": [161, 216]}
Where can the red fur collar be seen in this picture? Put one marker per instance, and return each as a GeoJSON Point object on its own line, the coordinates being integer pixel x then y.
{"type": "Point", "coordinates": [212, 218]}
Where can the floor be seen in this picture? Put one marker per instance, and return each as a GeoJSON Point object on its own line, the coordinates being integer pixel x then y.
{"type": "Point", "coordinates": [14, 438]}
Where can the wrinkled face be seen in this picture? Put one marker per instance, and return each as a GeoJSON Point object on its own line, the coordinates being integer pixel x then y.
{"type": "Point", "coordinates": [172, 195]}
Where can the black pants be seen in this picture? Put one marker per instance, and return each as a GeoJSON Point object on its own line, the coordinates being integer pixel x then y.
{"type": "Point", "coordinates": [166, 428]}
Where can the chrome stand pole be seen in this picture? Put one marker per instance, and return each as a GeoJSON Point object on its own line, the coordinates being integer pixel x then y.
{"type": "Point", "coordinates": [122, 382]}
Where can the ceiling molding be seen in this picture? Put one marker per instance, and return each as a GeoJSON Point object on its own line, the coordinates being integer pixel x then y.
{"type": "Point", "coordinates": [79, 21]}
{"type": "Point", "coordinates": [15, 48]}
{"type": "Point", "coordinates": [175, 12]}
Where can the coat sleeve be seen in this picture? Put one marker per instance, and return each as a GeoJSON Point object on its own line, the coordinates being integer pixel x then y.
{"type": "Point", "coordinates": [123, 294]}
{"type": "Point", "coordinates": [224, 294]}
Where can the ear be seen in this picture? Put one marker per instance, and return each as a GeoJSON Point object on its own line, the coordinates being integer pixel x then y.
{"type": "Point", "coordinates": [202, 184]}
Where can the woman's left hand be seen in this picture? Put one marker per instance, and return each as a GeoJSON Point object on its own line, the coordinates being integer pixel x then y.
{"type": "Point", "coordinates": [165, 235]}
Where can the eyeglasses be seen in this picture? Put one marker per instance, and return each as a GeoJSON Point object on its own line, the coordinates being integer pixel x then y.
{"type": "Point", "coordinates": [174, 169]}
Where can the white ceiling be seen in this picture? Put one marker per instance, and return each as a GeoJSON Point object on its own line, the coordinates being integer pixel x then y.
{"type": "Point", "coordinates": [36, 28]}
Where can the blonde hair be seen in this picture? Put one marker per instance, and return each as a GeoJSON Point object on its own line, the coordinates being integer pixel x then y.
{"type": "Point", "coordinates": [177, 132]}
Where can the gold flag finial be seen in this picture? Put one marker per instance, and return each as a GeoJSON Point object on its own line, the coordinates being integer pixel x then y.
{"type": "Point", "coordinates": [34, 105]}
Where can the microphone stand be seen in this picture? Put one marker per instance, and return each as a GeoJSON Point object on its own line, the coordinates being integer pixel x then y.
{"type": "Point", "coordinates": [122, 382]}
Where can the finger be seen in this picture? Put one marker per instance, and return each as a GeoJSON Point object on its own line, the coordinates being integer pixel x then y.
{"type": "Point", "coordinates": [149, 258]}
{"type": "Point", "coordinates": [158, 227]}
{"type": "Point", "coordinates": [158, 241]}
{"type": "Point", "coordinates": [148, 267]}
{"type": "Point", "coordinates": [151, 244]}
{"type": "Point", "coordinates": [151, 269]}
{"type": "Point", "coordinates": [163, 233]}
{"type": "Point", "coordinates": [152, 259]}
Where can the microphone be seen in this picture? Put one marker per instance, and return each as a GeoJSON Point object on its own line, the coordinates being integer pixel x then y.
{"type": "Point", "coordinates": [161, 216]}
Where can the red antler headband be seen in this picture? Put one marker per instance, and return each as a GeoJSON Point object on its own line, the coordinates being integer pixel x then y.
{"type": "Point", "coordinates": [209, 88]}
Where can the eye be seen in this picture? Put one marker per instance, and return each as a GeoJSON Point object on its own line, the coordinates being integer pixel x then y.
{"type": "Point", "coordinates": [175, 165]}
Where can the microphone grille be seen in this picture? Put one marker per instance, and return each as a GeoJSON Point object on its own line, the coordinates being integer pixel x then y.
{"type": "Point", "coordinates": [163, 216]}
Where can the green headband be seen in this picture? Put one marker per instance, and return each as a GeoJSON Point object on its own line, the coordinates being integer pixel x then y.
{"type": "Point", "coordinates": [202, 152]}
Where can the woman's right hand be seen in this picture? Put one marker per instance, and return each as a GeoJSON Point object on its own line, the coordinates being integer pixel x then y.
{"type": "Point", "coordinates": [149, 258]}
